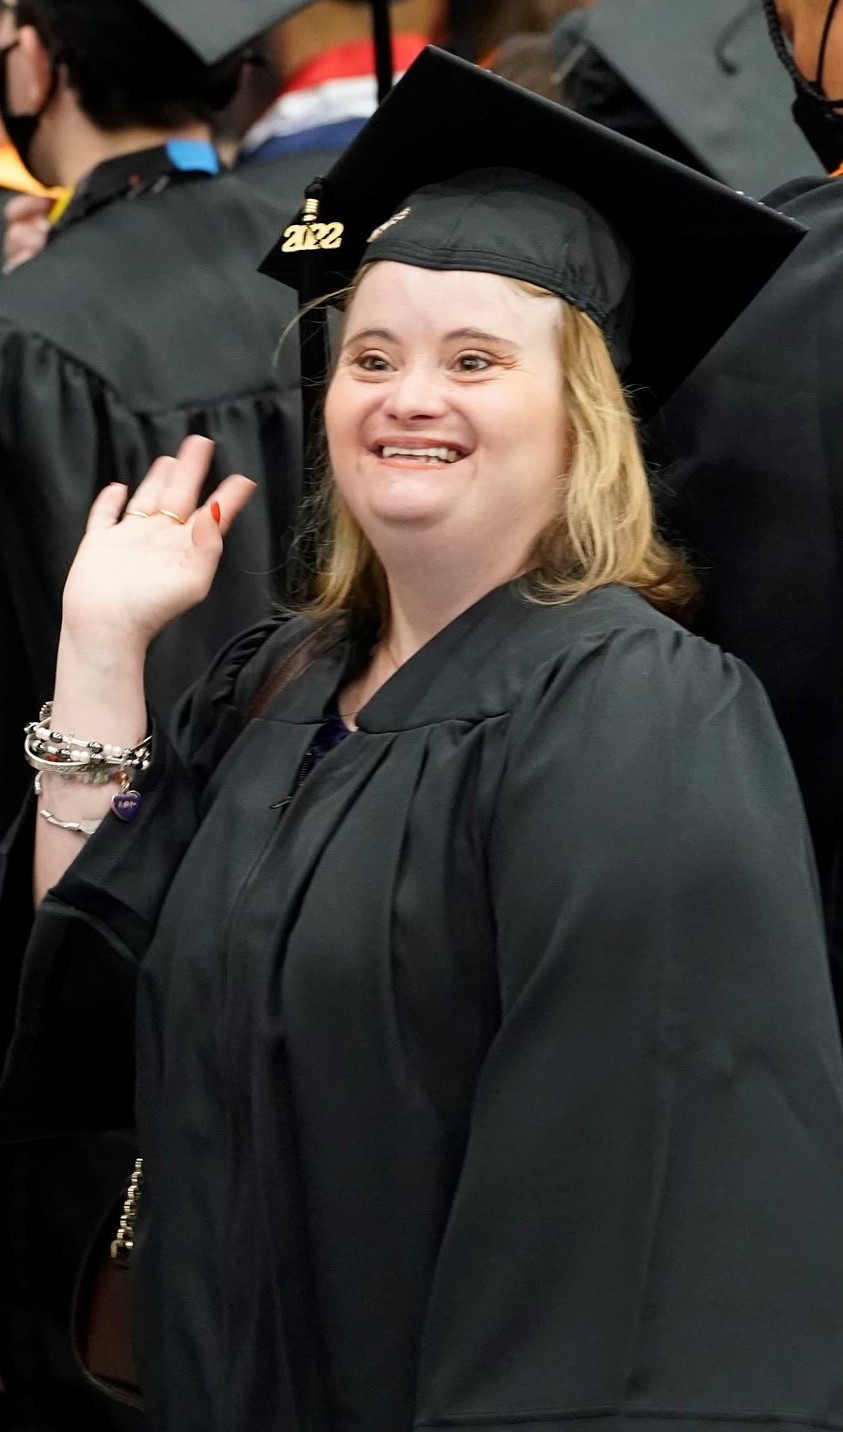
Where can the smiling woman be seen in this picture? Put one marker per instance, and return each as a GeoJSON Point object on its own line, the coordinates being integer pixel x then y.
{"type": "Point", "coordinates": [544, 416]}
{"type": "Point", "coordinates": [488, 1070]}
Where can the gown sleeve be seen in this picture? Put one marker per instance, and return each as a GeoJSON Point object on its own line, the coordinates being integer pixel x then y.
{"type": "Point", "coordinates": [648, 1225]}
{"type": "Point", "coordinates": [68, 970]}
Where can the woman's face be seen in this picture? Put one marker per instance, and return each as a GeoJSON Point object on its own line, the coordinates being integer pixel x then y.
{"type": "Point", "coordinates": [445, 414]}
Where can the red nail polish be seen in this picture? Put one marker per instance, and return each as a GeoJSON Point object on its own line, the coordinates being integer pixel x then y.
{"type": "Point", "coordinates": [215, 512]}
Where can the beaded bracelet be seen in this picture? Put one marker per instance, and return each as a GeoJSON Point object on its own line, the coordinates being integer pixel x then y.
{"type": "Point", "coordinates": [114, 755]}
{"type": "Point", "coordinates": [92, 762]}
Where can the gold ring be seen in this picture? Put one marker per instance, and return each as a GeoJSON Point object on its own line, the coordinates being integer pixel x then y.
{"type": "Point", "coordinates": [136, 512]}
{"type": "Point", "coordinates": [165, 512]}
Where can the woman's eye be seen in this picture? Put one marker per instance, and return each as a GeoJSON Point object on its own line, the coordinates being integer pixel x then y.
{"type": "Point", "coordinates": [373, 363]}
{"type": "Point", "coordinates": [473, 363]}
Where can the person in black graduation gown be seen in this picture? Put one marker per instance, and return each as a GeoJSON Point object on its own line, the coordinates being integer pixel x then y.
{"type": "Point", "coordinates": [109, 349]}
{"type": "Point", "coordinates": [110, 353]}
{"type": "Point", "coordinates": [488, 1065]}
{"type": "Point", "coordinates": [752, 465]}
{"type": "Point", "coordinates": [700, 83]}
{"type": "Point", "coordinates": [333, 61]}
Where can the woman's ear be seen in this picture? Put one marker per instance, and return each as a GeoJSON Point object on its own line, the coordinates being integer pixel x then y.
{"type": "Point", "coordinates": [34, 72]}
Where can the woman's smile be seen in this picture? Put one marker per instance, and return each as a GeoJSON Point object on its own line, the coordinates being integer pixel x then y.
{"type": "Point", "coordinates": [429, 455]}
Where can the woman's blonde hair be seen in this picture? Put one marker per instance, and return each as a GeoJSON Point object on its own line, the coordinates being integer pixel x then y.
{"type": "Point", "coordinates": [605, 529]}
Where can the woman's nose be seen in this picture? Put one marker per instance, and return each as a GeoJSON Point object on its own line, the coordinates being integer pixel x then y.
{"type": "Point", "coordinates": [415, 393]}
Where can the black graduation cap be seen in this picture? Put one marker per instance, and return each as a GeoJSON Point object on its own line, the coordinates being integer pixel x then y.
{"type": "Point", "coordinates": [215, 29]}
{"type": "Point", "coordinates": [601, 207]}
{"type": "Point", "coordinates": [707, 72]}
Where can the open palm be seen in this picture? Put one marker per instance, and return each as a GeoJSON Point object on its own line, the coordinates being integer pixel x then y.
{"type": "Point", "coordinates": [141, 565]}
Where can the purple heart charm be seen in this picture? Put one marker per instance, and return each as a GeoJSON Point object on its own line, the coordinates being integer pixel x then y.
{"type": "Point", "coordinates": [126, 804]}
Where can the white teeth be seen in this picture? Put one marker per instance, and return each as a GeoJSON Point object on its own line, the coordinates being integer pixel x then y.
{"type": "Point", "coordinates": [432, 454]}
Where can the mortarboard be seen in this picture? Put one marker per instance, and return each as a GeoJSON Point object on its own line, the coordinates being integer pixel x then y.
{"type": "Point", "coordinates": [215, 29]}
{"type": "Point", "coordinates": [707, 71]}
{"type": "Point", "coordinates": [699, 250]}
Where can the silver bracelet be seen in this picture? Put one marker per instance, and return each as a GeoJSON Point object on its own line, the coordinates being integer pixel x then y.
{"type": "Point", "coordinates": [97, 750]}
{"type": "Point", "coordinates": [85, 828]}
{"type": "Point", "coordinates": [92, 763]}
{"type": "Point", "coordinates": [88, 773]}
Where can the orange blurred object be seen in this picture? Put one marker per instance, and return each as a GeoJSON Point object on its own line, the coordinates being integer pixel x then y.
{"type": "Point", "coordinates": [14, 176]}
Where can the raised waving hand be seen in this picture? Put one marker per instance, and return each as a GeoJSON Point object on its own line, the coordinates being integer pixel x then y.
{"type": "Point", "coordinates": [143, 562]}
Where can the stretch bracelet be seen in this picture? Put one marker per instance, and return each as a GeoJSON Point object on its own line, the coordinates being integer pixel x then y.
{"type": "Point", "coordinates": [91, 762]}
{"type": "Point", "coordinates": [94, 763]}
{"type": "Point", "coordinates": [101, 750]}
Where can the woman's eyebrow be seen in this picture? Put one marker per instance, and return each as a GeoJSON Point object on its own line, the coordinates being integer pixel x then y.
{"type": "Point", "coordinates": [479, 335]}
{"type": "Point", "coordinates": [383, 334]}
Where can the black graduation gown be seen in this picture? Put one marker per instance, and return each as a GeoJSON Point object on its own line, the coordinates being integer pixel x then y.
{"type": "Point", "coordinates": [142, 321]}
{"type": "Point", "coordinates": [286, 176]}
{"type": "Point", "coordinates": [491, 1080]}
{"type": "Point", "coordinates": [752, 481]}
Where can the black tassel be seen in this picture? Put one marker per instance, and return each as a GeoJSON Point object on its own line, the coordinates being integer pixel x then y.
{"type": "Point", "coordinates": [382, 33]}
{"type": "Point", "coordinates": [315, 359]}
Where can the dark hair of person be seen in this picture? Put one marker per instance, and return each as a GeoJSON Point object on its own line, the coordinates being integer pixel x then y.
{"type": "Point", "coordinates": [478, 27]}
{"type": "Point", "coordinates": [126, 66]}
{"type": "Point", "coordinates": [530, 61]}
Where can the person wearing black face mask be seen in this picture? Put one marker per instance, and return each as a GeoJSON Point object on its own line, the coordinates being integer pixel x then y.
{"type": "Point", "coordinates": [21, 127]}
{"type": "Point", "coordinates": [699, 83]}
{"type": "Point", "coordinates": [751, 452]}
{"type": "Point", "coordinates": [815, 112]}
{"type": "Point", "coordinates": [116, 107]}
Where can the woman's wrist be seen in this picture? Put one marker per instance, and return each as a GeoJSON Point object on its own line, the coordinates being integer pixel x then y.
{"type": "Point", "coordinates": [101, 654]}
{"type": "Point", "coordinates": [99, 691]}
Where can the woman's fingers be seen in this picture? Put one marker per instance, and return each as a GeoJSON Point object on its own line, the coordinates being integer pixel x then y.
{"type": "Point", "coordinates": [185, 476]}
{"type": "Point", "coordinates": [170, 490]}
{"type": "Point", "coordinates": [138, 568]}
{"type": "Point", "coordinates": [231, 496]}
{"type": "Point", "coordinates": [107, 507]}
{"type": "Point", "coordinates": [145, 497]}
{"type": "Point", "coordinates": [214, 518]}
{"type": "Point", "coordinates": [175, 483]}
{"type": "Point", "coordinates": [25, 229]}
{"type": "Point", "coordinates": [193, 463]}
{"type": "Point", "coordinates": [27, 206]}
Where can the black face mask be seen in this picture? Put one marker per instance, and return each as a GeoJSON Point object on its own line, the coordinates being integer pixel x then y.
{"type": "Point", "coordinates": [21, 128]}
{"type": "Point", "coordinates": [822, 126]}
{"type": "Point", "coordinates": [815, 114]}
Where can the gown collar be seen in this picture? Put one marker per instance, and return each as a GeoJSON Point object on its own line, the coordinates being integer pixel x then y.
{"type": "Point", "coordinates": [471, 670]}
{"type": "Point", "coordinates": [130, 176]}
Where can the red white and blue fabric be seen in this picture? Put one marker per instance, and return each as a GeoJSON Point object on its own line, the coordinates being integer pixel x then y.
{"type": "Point", "coordinates": [326, 104]}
